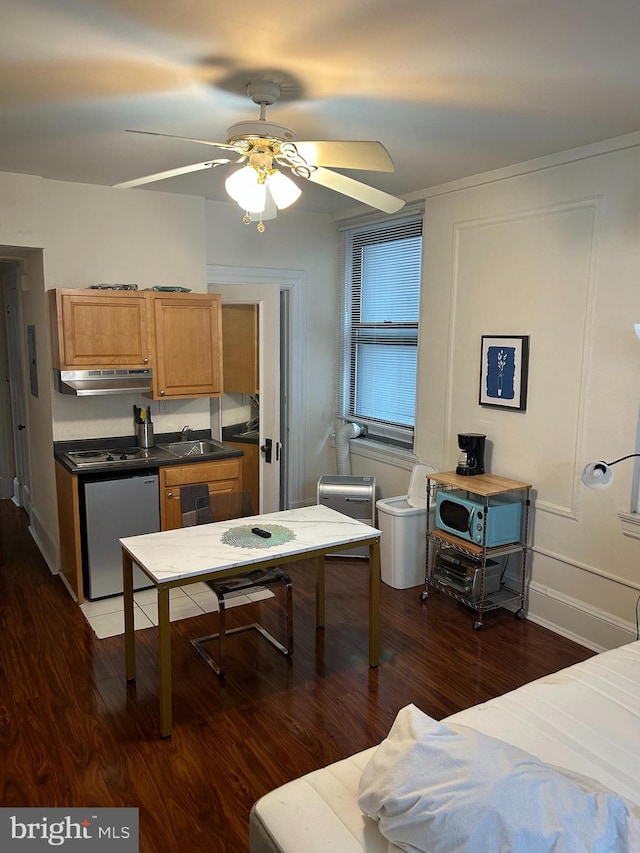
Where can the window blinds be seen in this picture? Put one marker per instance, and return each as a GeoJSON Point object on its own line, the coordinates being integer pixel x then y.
{"type": "Point", "coordinates": [382, 264]}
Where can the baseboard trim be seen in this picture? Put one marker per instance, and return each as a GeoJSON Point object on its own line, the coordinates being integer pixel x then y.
{"type": "Point", "coordinates": [571, 618]}
{"type": "Point", "coordinates": [45, 545]}
{"type": "Point", "coordinates": [6, 488]}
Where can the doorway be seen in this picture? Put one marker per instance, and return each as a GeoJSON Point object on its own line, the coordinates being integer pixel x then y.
{"type": "Point", "coordinates": [15, 449]}
{"type": "Point", "coordinates": [279, 296]}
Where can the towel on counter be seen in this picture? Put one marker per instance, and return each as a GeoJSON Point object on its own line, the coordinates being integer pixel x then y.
{"type": "Point", "coordinates": [194, 505]}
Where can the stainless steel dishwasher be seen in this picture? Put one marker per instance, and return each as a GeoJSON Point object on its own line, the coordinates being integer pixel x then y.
{"type": "Point", "coordinates": [115, 507]}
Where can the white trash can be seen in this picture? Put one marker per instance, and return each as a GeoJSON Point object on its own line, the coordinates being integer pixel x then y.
{"type": "Point", "coordinates": [402, 521]}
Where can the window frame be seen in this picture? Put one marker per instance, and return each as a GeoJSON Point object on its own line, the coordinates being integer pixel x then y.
{"type": "Point", "coordinates": [354, 239]}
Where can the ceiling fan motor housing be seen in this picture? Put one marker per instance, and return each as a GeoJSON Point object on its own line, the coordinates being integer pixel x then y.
{"type": "Point", "coordinates": [259, 129]}
{"type": "Point", "coordinates": [264, 92]}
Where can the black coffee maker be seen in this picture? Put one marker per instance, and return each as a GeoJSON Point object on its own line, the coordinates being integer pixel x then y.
{"type": "Point", "coordinates": [471, 459]}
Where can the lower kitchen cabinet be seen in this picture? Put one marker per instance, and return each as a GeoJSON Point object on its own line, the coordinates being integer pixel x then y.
{"type": "Point", "coordinates": [250, 470]}
{"type": "Point", "coordinates": [69, 530]}
{"type": "Point", "coordinates": [224, 475]}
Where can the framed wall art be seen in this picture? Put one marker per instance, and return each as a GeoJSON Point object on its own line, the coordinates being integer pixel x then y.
{"type": "Point", "coordinates": [504, 368]}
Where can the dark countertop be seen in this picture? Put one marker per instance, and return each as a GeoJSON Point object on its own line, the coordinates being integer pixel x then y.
{"type": "Point", "coordinates": [158, 458]}
{"type": "Point", "coordinates": [235, 433]}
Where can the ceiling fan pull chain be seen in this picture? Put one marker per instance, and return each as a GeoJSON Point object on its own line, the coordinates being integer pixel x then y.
{"type": "Point", "coordinates": [261, 227]}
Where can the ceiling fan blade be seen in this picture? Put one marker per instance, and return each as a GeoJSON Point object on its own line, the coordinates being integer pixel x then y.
{"type": "Point", "coordinates": [356, 189]}
{"type": "Point", "coordinates": [188, 139]}
{"type": "Point", "coordinates": [171, 173]}
{"type": "Point", "coordinates": [370, 156]}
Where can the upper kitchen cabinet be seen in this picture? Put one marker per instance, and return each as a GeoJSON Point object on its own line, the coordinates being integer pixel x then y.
{"type": "Point", "coordinates": [240, 350]}
{"type": "Point", "coordinates": [176, 335]}
{"type": "Point", "coordinates": [100, 329]}
{"type": "Point", "coordinates": [188, 345]}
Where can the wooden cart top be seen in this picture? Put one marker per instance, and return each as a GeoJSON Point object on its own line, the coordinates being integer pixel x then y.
{"type": "Point", "coordinates": [479, 484]}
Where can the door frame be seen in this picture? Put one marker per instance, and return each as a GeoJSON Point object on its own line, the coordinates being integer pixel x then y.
{"type": "Point", "coordinates": [11, 276]}
{"type": "Point", "coordinates": [272, 464]}
{"type": "Point", "coordinates": [293, 281]}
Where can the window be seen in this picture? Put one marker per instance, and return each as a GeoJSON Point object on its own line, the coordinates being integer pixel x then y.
{"type": "Point", "coordinates": [382, 264]}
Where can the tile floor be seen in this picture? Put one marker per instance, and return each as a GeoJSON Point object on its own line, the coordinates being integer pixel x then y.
{"type": "Point", "coordinates": [106, 616]}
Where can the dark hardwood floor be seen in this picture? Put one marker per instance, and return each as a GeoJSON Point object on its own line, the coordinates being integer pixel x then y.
{"type": "Point", "coordinates": [72, 733]}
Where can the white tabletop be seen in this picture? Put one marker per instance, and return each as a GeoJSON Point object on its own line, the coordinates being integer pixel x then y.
{"type": "Point", "coordinates": [178, 554]}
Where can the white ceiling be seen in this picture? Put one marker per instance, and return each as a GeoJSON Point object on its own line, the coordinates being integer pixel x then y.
{"type": "Point", "coordinates": [450, 87]}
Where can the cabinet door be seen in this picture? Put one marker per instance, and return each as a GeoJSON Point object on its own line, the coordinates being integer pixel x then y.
{"type": "Point", "coordinates": [100, 329]}
{"type": "Point", "coordinates": [250, 470]}
{"type": "Point", "coordinates": [188, 345]}
{"type": "Point", "coordinates": [240, 348]}
{"type": "Point", "coordinates": [222, 476]}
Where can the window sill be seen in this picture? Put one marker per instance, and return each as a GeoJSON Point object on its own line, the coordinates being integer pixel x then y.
{"type": "Point", "coordinates": [630, 522]}
{"type": "Point", "coordinates": [378, 451]}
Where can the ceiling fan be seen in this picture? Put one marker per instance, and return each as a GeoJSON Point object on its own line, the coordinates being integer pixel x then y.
{"type": "Point", "coordinates": [260, 187]}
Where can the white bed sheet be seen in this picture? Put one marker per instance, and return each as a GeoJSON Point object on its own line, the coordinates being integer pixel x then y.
{"type": "Point", "coordinates": [585, 718]}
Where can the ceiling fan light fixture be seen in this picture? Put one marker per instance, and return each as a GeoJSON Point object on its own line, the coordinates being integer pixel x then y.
{"type": "Point", "coordinates": [282, 189]}
{"type": "Point", "coordinates": [264, 146]}
{"type": "Point", "coordinates": [270, 211]}
{"type": "Point", "coordinates": [245, 187]}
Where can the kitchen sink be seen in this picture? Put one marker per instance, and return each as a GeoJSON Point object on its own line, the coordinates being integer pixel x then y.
{"type": "Point", "coordinates": [203, 447]}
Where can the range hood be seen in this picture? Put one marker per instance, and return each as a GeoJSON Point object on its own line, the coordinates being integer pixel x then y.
{"type": "Point", "coordinates": [86, 383]}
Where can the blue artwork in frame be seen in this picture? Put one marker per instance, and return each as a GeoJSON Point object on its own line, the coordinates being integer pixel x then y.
{"type": "Point", "coordinates": [504, 367]}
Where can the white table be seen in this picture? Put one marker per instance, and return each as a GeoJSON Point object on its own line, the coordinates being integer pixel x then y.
{"type": "Point", "coordinates": [194, 554]}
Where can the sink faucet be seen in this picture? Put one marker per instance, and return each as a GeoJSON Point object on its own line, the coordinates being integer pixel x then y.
{"type": "Point", "coordinates": [185, 432]}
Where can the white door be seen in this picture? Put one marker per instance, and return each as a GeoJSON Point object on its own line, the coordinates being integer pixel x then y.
{"type": "Point", "coordinates": [267, 297]}
{"type": "Point", "coordinates": [16, 373]}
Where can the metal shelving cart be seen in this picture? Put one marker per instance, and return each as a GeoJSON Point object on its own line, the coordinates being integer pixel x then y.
{"type": "Point", "coordinates": [485, 487]}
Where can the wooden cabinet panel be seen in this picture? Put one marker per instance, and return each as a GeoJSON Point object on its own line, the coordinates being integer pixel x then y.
{"type": "Point", "coordinates": [250, 470]}
{"type": "Point", "coordinates": [224, 475]}
{"type": "Point", "coordinates": [240, 348]}
{"type": "Point", "coordinates": [69, 530]}
{"type": "Point", "coordinates": [179, 335]}
{"type": "Point", "coordinates": [100, 329]}
{"type": "Point", "coordinates": [188, 346]}
{"type": "Point", "coordinates": [201, 472]}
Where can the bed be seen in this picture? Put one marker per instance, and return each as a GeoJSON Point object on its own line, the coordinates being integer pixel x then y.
{"type": "Point", "coordinates": [553, 765]}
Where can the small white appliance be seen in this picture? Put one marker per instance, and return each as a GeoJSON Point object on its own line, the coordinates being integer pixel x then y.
{"type": "Point", "coordinates": [352, 496]}
{"type": "Point", "coordinates": [403, 524]}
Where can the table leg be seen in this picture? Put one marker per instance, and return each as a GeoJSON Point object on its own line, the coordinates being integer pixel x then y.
{"type": "Point", "coordinates": [164, 656]}
{"type": "Point", "coordinates": [374, 602]}
{"type": "Point", "coordinates": [129, 627]}
{"type": "Point", "coordinates": [320, 592]}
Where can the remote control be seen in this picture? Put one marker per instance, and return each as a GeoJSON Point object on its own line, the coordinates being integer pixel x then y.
{"type": "Point", "coordinates": [260, 532]}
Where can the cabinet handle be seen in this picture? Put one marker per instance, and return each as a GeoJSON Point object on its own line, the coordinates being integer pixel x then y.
{"type": "Point", "coordinates": [145, 361]}
{"type": "Point", "coordinates": [169, 494]}
{"type": "Point", "coordinates": [162, 393]}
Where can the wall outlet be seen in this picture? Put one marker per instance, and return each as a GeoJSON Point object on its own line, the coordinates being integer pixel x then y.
{"type": "Point", "coordinates": [164, 407]}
